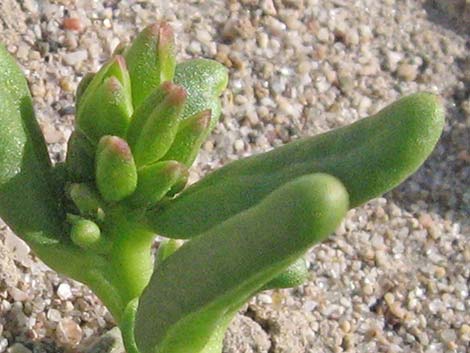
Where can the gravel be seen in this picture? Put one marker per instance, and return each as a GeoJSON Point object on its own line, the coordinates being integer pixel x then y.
{"type": "Point", "coordinates": [395, 276]}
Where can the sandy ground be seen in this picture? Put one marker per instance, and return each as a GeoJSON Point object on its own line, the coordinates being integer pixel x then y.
{"type": "Point", "coordinates": [395, 276]}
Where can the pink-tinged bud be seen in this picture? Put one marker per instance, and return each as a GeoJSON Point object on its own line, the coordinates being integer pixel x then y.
{"type": "Point", "coordinates": [156, 135]}
{"type": "Point", "coordinates": [191, 134]}
{"type": "Point", "coordinates": [107, 112]}
{"type": "Point", "coordinates": [116, 173]}
{"type": "Point", "coordinates": [115, 67]}
{"type": "Point", "coordinates": [154, 182]}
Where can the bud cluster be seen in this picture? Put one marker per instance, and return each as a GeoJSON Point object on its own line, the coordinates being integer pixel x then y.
{"type": "Point", "coordinates": [140, 122]}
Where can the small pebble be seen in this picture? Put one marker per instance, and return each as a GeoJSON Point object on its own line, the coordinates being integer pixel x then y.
{"type": "Point", "coordinates": [407, 72]}
{"type": "Point", "coordinates": [64, 292]}
{"type": "Point", "coordinates": [72, 24]}
{"type": "Point", "coordinates": [68, 332]}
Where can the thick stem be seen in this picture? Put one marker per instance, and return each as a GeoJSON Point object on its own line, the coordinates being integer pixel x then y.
{"type": "Point", "coordinates": [130, 257]}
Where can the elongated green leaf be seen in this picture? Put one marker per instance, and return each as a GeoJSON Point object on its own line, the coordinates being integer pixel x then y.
{"type": "Point", "coordinates": [191, 134]}
{"type": "Point", "coordinates": [107, 112]}
{"type": "Point", "coordinates": [80, 161]}
{"type": "Point", "coordinates": [192, 290]}
{"type": "Point", "coordinates": [151, 60]}
{"type": "Point", "coordinates": [159, 131]}
{"type": "Point", "coordinates": [370, 157]}
{"type": "Point", "coordinates": [29, 203]}
{"type": "Point", "coordinates": [155, 180]}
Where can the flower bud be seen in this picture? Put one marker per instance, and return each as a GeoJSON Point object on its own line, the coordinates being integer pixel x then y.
{"type": "Point", "coordinates": [107, 111]}
{"type": "Point", "coordinates": [116, 173]}
{"type": "Point", "coordinates": [155, 180]}
{"type": "Point", "coordinates": [116, 67]}
{"type": "Point", "coordinates": [191, 134]}
{"type": "Point", "coordinates": [86, 199]}
{"type": "Point", "coordinates": [85, 233]}
{"type": "Point", "coordinates": [143, 112]}
{"type": "Point", "coordinates": [159, 131]}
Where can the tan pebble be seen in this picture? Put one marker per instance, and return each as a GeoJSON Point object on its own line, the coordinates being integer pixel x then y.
{"type": "Point", "coordinates": [72, 24]}
{"type": "Point", "coordinates": [66, 85]}
{"type": "Point", "coordinates": [425, 220]}
{"type": "Point", "coordinates": [389, 298]}
{"type": "Point", "coordinates": [464, 156]}
{"type": "Point", "coordinates": [268, 7]}
{"type": "Point", "coordinates": [368, 289]}
{"type": "Point", "coordinates": [345, 326]}
{"type": "Point", "coordinates": [452, 345]}
{"type": "Point", "coordinates": [440, 272]}
{"type": "Point", "coordinates": [397, 310]}
{"type": "Point", "coordinates": [407, 72]}
{"type": "Point", "coordinates": [208, 146]}
{"type": "Point", "coordinates": [68, 332]}
{"type": "Point", "coordinates": [465, 333]}
{"type": "Point", "coordinates": [51, 135]}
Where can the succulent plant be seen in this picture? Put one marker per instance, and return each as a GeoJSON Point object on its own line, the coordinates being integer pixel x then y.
{"type": "Point", "coordinates": [140, 121]}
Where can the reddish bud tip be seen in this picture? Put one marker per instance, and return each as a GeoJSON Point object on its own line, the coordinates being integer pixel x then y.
{"type": "Point", "coordinates": [121, 62]}
{"type": "Point", "coordinates": [152, 30]}
{"type": "Point", "coordinates": [204, 120]}
{"type": "Point", "coordinates": [167, 36]}
{"type": "Point", "coordinates": [177, 96]}
{"type": "Point", "coordinates": [118, 145]}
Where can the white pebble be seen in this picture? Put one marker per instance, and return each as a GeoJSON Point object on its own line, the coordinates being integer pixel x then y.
{"type": "Point", "coordinates": [75, 58]}
{"type": "Point", "coordinates": [64, 292]}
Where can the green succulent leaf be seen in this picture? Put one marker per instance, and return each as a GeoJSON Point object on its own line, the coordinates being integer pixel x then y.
{"type": "Point", "coordinates": [80, 160]}
{"type": "Point", "coordinates": [155, 180]}
{"type": "Point", "coordinates": [82, 86]}
{"type": "Point", "coordinates": [151, 60]}
{"type": "Point", "coordinates": [107, 111]}
{"type": "Point", "coordinates": [191, 134]}
{"type": "Point", "coordinates": [190, 293]}
{"type": "Point", "coordinates": [293, 276]}
{"type": "Point", "coordinates": [160, 128]}
{"type": "Point", "coordinates": [370, 157]}
{"type": "Point", "coordinates": [29, 203]}
{"type": "Point", "coordinates": [204, 81]}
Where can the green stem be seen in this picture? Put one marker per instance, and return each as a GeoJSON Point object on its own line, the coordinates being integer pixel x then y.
{"type": "Point", "coordinates": [130, 257]}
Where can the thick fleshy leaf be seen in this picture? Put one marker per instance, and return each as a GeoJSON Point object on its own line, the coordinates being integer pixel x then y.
{"type": "Point", "coordinates": [145, 110]}
{"type": "Point", "coordinates": [204, 81]}
{"type": "Point", "coordinates": [29, 202]}
{"type": "Point", "coordinates": [107, 112]}
{"type": "Point", "coordinates": [116, 67]}
{"type": "Point", "coordinates": [370, 157]}
{"type": "Point", "coordinates": [86, 199]}
{"type": "Point", "coordinates": [85, 233]}
{"type": "Point", "coordinates": [82, 86]}
{"type": "Point", "coordinates": [190, 293]}
{"type": "Point", "coordinates": [80, 160]}
{"type": "Point", "coordinates": [293, 276]}
{"type": "Point", "coordinates": [159, 131]}
{"type": "Point", "coordinates": [151, 60]}
{"type": "Point", "coordinates": [155, 180]}
{"type": "Point", "coordinates": [191, 134]}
